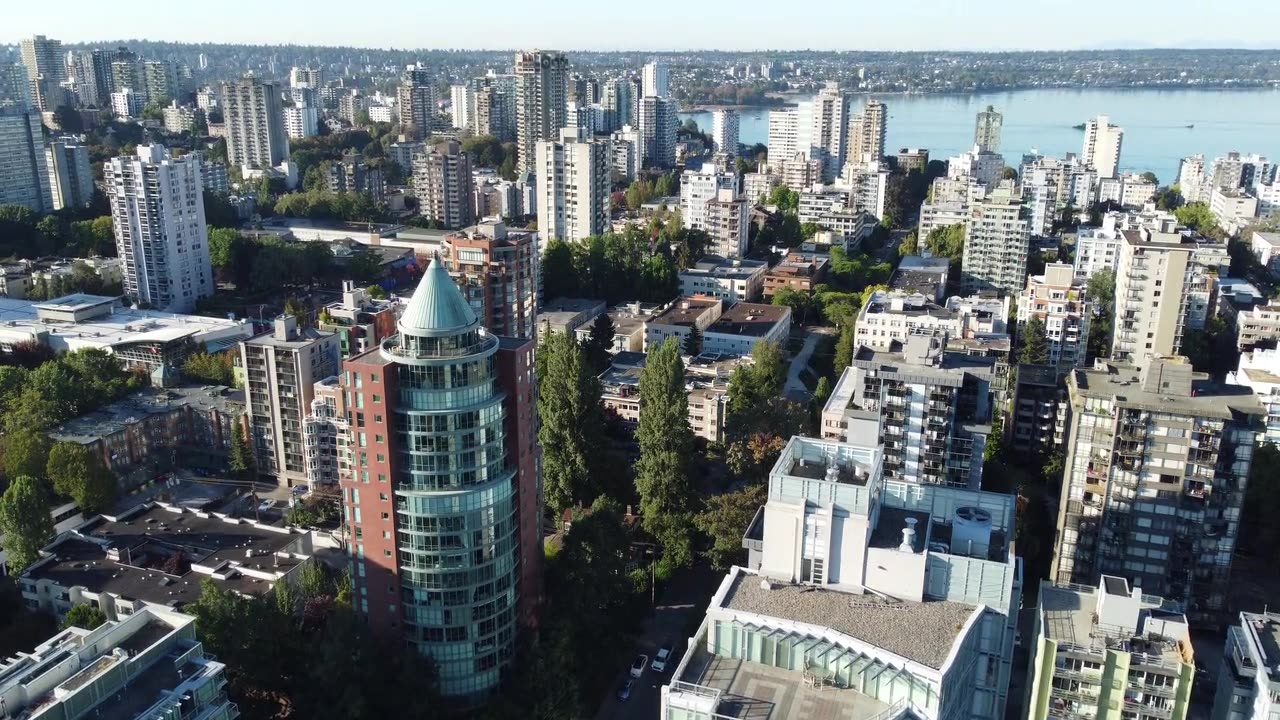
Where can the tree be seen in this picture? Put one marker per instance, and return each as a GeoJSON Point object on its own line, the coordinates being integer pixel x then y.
{"type": "Point", "coordinates": [1035, 343]}
{"type": "Point", "coordinates": [84, 616]}
{"type": "Point", "coordinates": [821, 394]}
{"type": "Point", "coordinates": [364, 265]}
{"type": "Point", "coordinates": [1150, 177]}
{"type": "Point", "coordinates": [572, 421]}
{"type": "Point", "coordinates": [1197, 216]}
{"type": "Point", "coordinates": [68, 119]}
{"type": "Point", "coordinates": [78, 473]}
{"type": "Point", "coordinates": [1258, 529]}
{"type": "Point", "coordinates": [799, 302]}
{"type": "Point", "coordinates": [910, 244]}
{"type": "Point", "coordinates": [26, 452]}
{"type": "Point", "coordinates": [240, 460]}
{"type": "Point", "coordinates": [692, 345]}
{"type": "Point", "coordinates": [1101, 291]}
{"type": "Point", "coordinates": [213, 368]}
{"type": "Point", "coordinates": [294, 307]}
{"type": "Point", "coordinates": [599, 345]}
{"type": "Point", "coordinates": [725, 521]}
{"type": "Point", "coordinates": [947, 242]}
{"type": "Point", "coordinates": [845, 348]}
{"type": "Point", "coordinates": [666, 441]}
{"type": "Point", "coordinates": [25, 522]}
{"type": "Point", "coordinates": [558, 276]}
{"type": "Point", "coordinates": [376, 292]}
{"type": "Point", "coordinates": [786, 199]}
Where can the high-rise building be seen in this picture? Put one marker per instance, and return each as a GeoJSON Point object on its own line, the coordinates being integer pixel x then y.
{"type": "Point", "coordinates": [126, 74]}
{"type": "Point", "coordinates": [624, 151]}
{"type": "Point", "coordinates": [70, 175]}
{"type": "Point", "coordinates": [542, 96]}
{"type": "Point", "coordinates": [24, 172]}
{"type": "Point", "coordinates": [442, 178]}
{"type": "Point", "coordinates": [418, 103]}
{"type": "Point", "coordinates": [724, 131]}
{"type": "Point", "coordinates": [15, 87]}
{"type": "Point", "coordinates": [254, 119]}
{"type": "Point", "coordinates": [619, 101]}
{"type": "Point", "coordinates": [306, 77]}
{"type": "Point", "coordinates": [157, 212]}
{"type": "Point", "coordinates": [460, 104]}
{"type": "Point", "coordinates": [1059, 301]}
{"type": "Point", "coordinates": [864, 596]}
{"type": "Point", "coordinates": [281, 369]}
{"type": "Point", "coordinates": [1108, 648]}
{"type": "Point", "coordinates": [1101, 150]}
{"type": "Point", "coordinates": [81, 77]}
{"type": "Point", "coordinates": [1165, 283]}
{"type": "Point", "coordinates": [868, 186]}
{"type": "Point", "coordinates": [302, 119]}
{"type": "Point", "coordinates": [831, 127]}
{"type": "Point", "coordinates": [986, 131]}
{"type": "Point", "coordinates": [698, 187]}
{"type": "Point", "coordinates": [497, 271]}
{"type": "Point", "coordinates": [104, 71]}
{"type": "Point", "coordinates": [658, 125]}
{"type": "Point", "coordinates": [159, 82]}
{"type": "Point", "coordinates": [573, 186]}
{"type": "Point", "coordinates": [359, 320]}
{"type": "Point", "coordinates": [727, 224]}
{"type": "Point", "coordinates": [448, 459]}
{"type": "Point", "coordinates": [867, 133]}
{"type": "Point", "coordinates": [655, 79]}
{"type": "Point", "coordinates": [493, 100]}
{"type": "Point", "coordinates": [1191, 178]}
{"type": "Point", "coordinates": [889, 317]}
{"type": "Point", "coordinates": [46, 69]}
{"type": "Point", "coordinates": [1248, 673]}
{"type": "Point", "coordinates": [1154, 481]}
{"type": "Point", "coordinates": [997, 240]}
{"type": "Point", "coordinates": [930, 408]}
{"type": "Point", "coordinates": [327, 434]}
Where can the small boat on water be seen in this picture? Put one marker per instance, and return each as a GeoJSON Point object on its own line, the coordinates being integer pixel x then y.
{"type": "Point", "coordinates": [1078, 127]}
{"type": "Point", "coordinates": [1191, 127]}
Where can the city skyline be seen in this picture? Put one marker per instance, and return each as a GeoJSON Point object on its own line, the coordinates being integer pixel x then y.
{"type": "Point", "coordinates": [935, 26]}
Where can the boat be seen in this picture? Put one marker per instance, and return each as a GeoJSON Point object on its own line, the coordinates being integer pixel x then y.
{"type": "Point", "coordinates": [1191, 127]}
{"type": "Point", "coordinates": [1078, 127]}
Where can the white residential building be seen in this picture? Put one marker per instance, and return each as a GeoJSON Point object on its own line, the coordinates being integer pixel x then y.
{"type": "Point", "coordinates": [657, 124]}
{"type": "Point", "coordinates": [727, 224]}
{"type": "Point", "coordinates": [655, 80]}
{"type": "Point", "coordinates": [866, 133]}
{"type": "Point", "coordinates": [460, 103]}
{"type": "Point", "coordinates": [724, 131]}
{"type": "Point", "coordinates": [996, 243]}
{"type": "Point", "coordinates": [1165, 283]}
{"type": "Point", "coordinates": [985, 168]}
{"type": "Point", "coordinates": [744, 325]}
{"type": "Point", "coordinates": [868, 185]}
{"type": "Point", "coordinates": [1102, 142]}
{"type": "Point", "coordinates": [157, 212]}
{"type": "Point", "coordinates": [757, 186]}
{"type": "Point", "coordinates": [732, 280]}
{"type": "Point", "coordinates": [542, 96]}
{"type": "Point", "coordinates": [986, 130]}
{"type": "Point", "coordinates": [625, 153]}
{"type": "Point", "coordinates": [864, 596]}
{"type": "Point", "coordinates": [1130, 190]}
{"type": "Point", "coordinates": [573, 186]}
{"type": "Point", "coordinates": [1266, 247]}
{"type": "Point", "coordinates": [1191, 178]}
{"type": "Point", "coordinates": [889, 317]}
{"type": "Point", "coordinates": [698, 187]}
{"type": "Point", "coordinates": [254, 116]}
{"type": "Point", "coordinates": [1248, 681]}
{"type": "Point", "coordinates": [1257, 325]}
{"type": "Point", "coordinates": [1260, 372]}
{"type": "Point", "coordinates": [936, 215]}
{"type": "Point", "coordinates": [1058, 299]}
{"type": "Point", "coordinates": [301, 122]}
{"type": "Point", "coordinates": [1233, 209]}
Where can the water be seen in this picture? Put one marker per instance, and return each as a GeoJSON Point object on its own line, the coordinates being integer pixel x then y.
{"type": "Point", "coordinates": [1156, 136]}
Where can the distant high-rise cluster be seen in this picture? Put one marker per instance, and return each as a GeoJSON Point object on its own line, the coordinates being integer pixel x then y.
{"type": "Point", "coordinates": [542, 96]}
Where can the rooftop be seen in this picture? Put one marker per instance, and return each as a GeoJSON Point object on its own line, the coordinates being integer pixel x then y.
{"type": "Point", "coordinates": [437, 305]}
{"type": "Point", "coordinates": [684, 311]}
{"type": "Point", "coordinates": [922, 632]}
{"type": "Point", "coordinates": [751, 319]}
{"type": "Point", "coordinates": [797, 263]}
{"type": "Point", "coordinates": [80, 321]}
{"type": "Point", "coordinates": [1263, 630]}
{"type": "Point", "coordinates": [127, 555]}
{"type": "Point", "coordinates": [113, 418]}
{"type": "Point", "coordinates": [1076, 620]}
{"type": "Point", "coordinates": [1123, 384]}
{"type": "Point", "coordinates": [1270, 238]}
{"type": "Point", "coordinates": [723, 267]}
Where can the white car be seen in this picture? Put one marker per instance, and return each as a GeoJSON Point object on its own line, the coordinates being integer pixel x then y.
{"type": "Point", "coordinates": [637, 667]}
{"type": "Point", "coordinates": [660, 660]}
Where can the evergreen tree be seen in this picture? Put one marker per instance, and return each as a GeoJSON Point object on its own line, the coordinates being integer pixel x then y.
{"type": "Point", "coordinates": [693, 342]}
{"type": "Point", "coordinates": [666, 446]}
{"type": "Point", "coordinates": [558, 276]}
{"type": "Point", "coordinates": [600, 343]}
{"type": "Point", "coordinates": [845, 347]}
{"type": "Point", "coordinates": [78, 473]}
{"type": "Point", "coordinates": [572, 420]}
{"type": "Point", "coordinates": [240, 460]}
{"type": "Point", "coordinates": [25, 522]}
{"type": "Point", "coordinates": [1035, 343]}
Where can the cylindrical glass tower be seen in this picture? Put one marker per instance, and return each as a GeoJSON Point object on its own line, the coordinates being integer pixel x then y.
{"type": "Point", "coordinates": [456, 504]}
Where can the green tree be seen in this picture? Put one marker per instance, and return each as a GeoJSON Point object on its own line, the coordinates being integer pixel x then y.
{"type": "Point", "coordinates": [240, 460]}
{"type": "Point", "coordinates": [599, 345]}
{"type": "Point", "coordinates": [1197, 216]}
{"type": "Point", "coordinates": [821, 394]}
{"type": "Point", "coordinates": [845, 348]}
{"type": "Point", "coordinates": [725, 521]}
{"type": "Point", "coordinates": [213, 368]}
{"type": "Point", "coordinates": [1101, 291]}
{"type": "Point", "coordinates": [1258, 530]}
{"type": "Point", "coordinates": [666, 441]}
{"type": "Point", "coordinates": [572, 420]}
{"type": "Point", "coordinates": [376, 292]}
{"type": "Point", "coordinates": [559, 280]}
{"type": "Point", "coordinates": [26, 452]}
{"type": "Point", "coordinates": [294, 307]}
{"type": "Point", "coordinates": [1035, 343]}
{"type": "Point", "coordinates": [801, 303]}
{"type": "Point", "coordinates": [364, 265]}
{"type": "Point", "coordinates": [910, 244]}
{"type": "Point", "coordinates": [78, 473]}
{"type": "Point", "coordinates": [692, 344]}
{"type": "Point", "coordinates": [25, 522]}
{"type": "Point", "coordinates": [786, 199]}
{"type": "Point", "coordinates": [84, 616]}
{"type": "Point", "coordinates": [68, 119]}
{"type": "Point", "coordinates": [946, 242]}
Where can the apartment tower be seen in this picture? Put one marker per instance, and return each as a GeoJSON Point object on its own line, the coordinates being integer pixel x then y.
{"type": "Point", "coordinates": [542, 96]}
{"type": "Point", "coordinates": [442, 178]}
{"type": "Point", "coordinates": [573, 186]}
{"type": "Point", "coordinates": [254, 117]}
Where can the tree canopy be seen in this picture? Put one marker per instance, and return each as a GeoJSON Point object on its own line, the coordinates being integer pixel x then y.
{"type": "Point", "coordinates": [78, 473]}
{"type": "Point", "coordinates": [571, 423]}
{"type": "Point", "coordinates": [25, 522]}
{"type": "Point", "coordinates": [664, 470]}
{"type": "Point", "coordinates": [1035, 343]}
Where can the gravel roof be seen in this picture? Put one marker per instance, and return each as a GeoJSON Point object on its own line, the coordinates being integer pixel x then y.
{"type": "Point", "coordinates": [919, 631]}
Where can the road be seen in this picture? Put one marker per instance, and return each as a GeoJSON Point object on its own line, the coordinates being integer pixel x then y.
{"type": "Point", "coordinates": [684, 600]}
{"type": "Point", "coordinates": [795, 387]}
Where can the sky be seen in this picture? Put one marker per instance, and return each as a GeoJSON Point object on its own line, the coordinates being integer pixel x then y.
{"type": "Point", "coordinates": [664, 24]}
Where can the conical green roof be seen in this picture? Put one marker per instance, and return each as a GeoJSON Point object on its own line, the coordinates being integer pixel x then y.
{"type": "Point", "coordinates": [437, 306]}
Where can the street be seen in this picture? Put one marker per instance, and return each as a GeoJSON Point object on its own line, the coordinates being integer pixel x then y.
{"type": "Point", "coordinates": [681, 606]}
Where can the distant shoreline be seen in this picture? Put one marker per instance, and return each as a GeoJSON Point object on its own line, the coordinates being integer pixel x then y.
{"type": "Point", "coordinates": [800, 97]}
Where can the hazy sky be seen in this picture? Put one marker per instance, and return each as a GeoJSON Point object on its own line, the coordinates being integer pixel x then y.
{"type": "Point", "coordinates": [663, 24]}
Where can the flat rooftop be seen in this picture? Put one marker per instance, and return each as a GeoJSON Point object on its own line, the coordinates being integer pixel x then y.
{"type": "Point", "coordinates": [1070, 616]}
{"type": "Point", "coordinates": [117, 416]}
{"type": "Point", "coordinates": [923, 632]}
{"type": "Point", "coordinates": [726, 268]}
{"type": "Point", "coordinates": [145, 540]}
{"type": "Point", "coordinates": [953, 363]}
{"type": "Point", "coordinates": [106, 322]}
{"type": "Point", "coordinates": [1266, 628]}
{"type": "Point", "coordinates": [752, 319]}
{"type": "Point", "coordinates": [569, 305]}
{"type": "Point", "coordinates": [1123, 384]}
{"type": "Point", "coordinates": [684, 311]}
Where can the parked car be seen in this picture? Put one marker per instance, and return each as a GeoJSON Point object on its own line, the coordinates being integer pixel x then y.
{"type": "Point", "coordinates": [637, 667]}
{"type": "Point", "coordinates": [624, 693]}
{"type": "Point", "coordinates": [660, 660]}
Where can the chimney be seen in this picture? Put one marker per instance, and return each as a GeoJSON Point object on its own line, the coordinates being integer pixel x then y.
{"type": "Point", "coordinates": [908, 536]}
